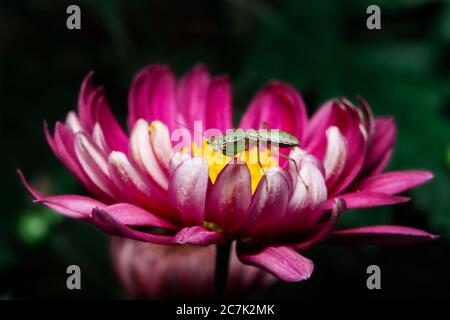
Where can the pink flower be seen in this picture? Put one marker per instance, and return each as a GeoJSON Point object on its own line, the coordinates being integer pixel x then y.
{"type": "Point", "coordinates": [145, 191]}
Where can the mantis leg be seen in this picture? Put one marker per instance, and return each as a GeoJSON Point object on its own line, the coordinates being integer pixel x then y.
{"type": "Point", "coordinates": [295, 164]}
{"type": "Point", "coordinates": [288, 158]}
{"type": "Point", "coordinates": [261, 166]}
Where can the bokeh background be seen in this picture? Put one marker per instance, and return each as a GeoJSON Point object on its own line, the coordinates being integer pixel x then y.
{"type": "Point", "coordinates": [321, 47]}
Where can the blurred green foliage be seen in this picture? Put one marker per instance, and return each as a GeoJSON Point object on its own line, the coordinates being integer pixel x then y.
{"type": "Point", "coordinates": [321, 47]}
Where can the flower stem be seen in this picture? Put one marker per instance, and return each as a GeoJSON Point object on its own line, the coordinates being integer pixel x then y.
{"type": "Point", "coordinates": [221, 273]}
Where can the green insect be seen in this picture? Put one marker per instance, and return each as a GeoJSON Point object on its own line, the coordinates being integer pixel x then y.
{"type": "Point", "coordinates": [239, 140]}
{"type": "Point", "coordinates": [233, 143]}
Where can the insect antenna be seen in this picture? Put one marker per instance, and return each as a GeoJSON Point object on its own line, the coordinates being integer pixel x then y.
{"type": "Point", "coordinates": [181, 124]}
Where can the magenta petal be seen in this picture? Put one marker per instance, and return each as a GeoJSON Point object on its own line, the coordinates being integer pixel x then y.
{"type": "Point", "coordinates": [132, 215]}
{"type": "Point", "coordinates": [281, 106]}
{"type": "Point", "coordinates": [136, 186]}
{"type": "Point", "coordinates": [198, 236]}
{"type": "Point", "coordinates": [95, 165]}
{"type": "Point", "coordinates": [381, 235]}
{"type": "Point", "coordinates": [187, 190]}
{"type": "Point", "coordinates": [321, 230]}
{"type": "Point", "coordinates": [219, 108]}
{"type": "Point", "coordinates": [269, 203]}
{"type": "Point", "coordinates": [152, 96]}
{"type": "Point", "coordinates": [87, 91]}
{"type": "Point", "coordinates": [369, 119]}
{"type": "Point", "coordinates": [283, 262]}
{"type": "Point", "coordinates": [115, 137]}
{"type": "Point", "coordinates": [356, 142]}
{"type": "Point", "coordinates": [366, 199]}
{"type": "Point", "coordinates": [230, 197]}
{"type": "Point", "coordinates": [64, 142]}
{"type": "Point", "coordinates": [395, 181]}
{"type": "Point", "coordinates": [348, 120]}
{"type": "Point", "coordinates": [382, 142]}
{"type": "Point", "coordinates": [73, 206]}
{"type": "Point", "coordinates": [315, 137]}
{"type": "Point", "coordinates": [379, 167]}
{"type": "Point", "coordinates": [144, 156]}
{"type": "Point", "coordinates": [104, 221]}
{"type": "Point", "coordinates": [50, 140]}
{"type": "Point", "coordinates": [192, 93]}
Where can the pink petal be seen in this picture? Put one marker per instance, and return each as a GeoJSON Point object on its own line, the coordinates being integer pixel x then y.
{"type": "Point", "coordinates": [335, 155]}
{"type": "Point", "coordinates": [161, 144]}
{"type": "Point", "coordinates": [92, 107]}
{"type": "Point", "coordinates": [283, 262]}
{"type": "Point", "coordinates": [381, 235]}
{"type": "Point", "coordinates": [137, 188]}
{"type": "Point", "coordinates": [382, 141]}
{"type": "Point", "coordinates": [198, 235]}
{"type": "Point", "coordinates": [321, 230]}
{"type": "Point", "coordinates": [349, 122]}
{"type": "Point", "coordinates": [395, 181]}
{"type": "Point", "coordinates": [144, 155]}
{"type": "Point", "coordinates": [95, 165]}
{"type": "Point", "coordinates": [73, 206]}
{"type": "Point", "coordinates": [132, 215]}
{"type": "Point", "coordinates": [369, 119]}
{"type": "Point", "coordinates": [177, 159]}
{"type": "Point", "coordinates": [281, 106]}
{"type": "Point", "coordinates": [365, 199]}
{"type": "Point", "coordinates": [269, 203]}
{"type": "Point", "coordinates": [192, 93]}
{"type": "Point", "coordinates": [230, 197]}
{"type": "Point", "coordinates": [152, 96]}
{"type": "Point", "coordinates": [315, 137]}
{"type": "Point", "coordinates": [115, 137]}
{"type": "Point", "coordinates": [64, 142]}
{"type": "Point", "coordinates": [99, 138]}
{"type": "Point", "coordinates": [379, 167]}
{"type": "Point", "coordinates": [187, 190]}
{"type": "Point", "coordinates": [307, 202]}
{"type": "Point", "coordinates": [73, 123]}
{"type": "Point", "coordinates": [104, 221]}
{"type": "Point", "coordinates": [51, 141]}
{"type": "Point", "coordinates": [356, 149]}
{"type": "Point", "coordinates": [301, 158]}
{"type": "Point", "coordinates": [195, 235]}
{"type": "Point", "coordinates": [219, 108]}
{"type": "Point", "coordinates": [84, 107]}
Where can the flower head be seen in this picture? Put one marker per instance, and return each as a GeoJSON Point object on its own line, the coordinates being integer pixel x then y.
{"type": "Point", "coordinates": [155, 185]}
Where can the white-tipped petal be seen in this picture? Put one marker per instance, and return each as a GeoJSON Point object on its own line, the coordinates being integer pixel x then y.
{"type": "Point", "coordinates": [130, 181]}
{"type": "Point", "coordinates": [99, 138]}
{"type": "Point", "coordinates": [335, 154]}
{"type": "Point", "coordinates": [73, 123]}
{"type": "Point", "coordinates": [161, 143]}
{"type": "Point", "coordinates": [94, 164]}
{"type": "Point", "coordinates": [177, 159]}
{"type": "Point", "coordinates": [144, 156]}
{"type": "Point", "coordinates": [315, 184]}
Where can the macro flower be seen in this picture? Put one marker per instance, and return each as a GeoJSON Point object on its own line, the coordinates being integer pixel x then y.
{"type": "Point", "coordinates": [145, 188]}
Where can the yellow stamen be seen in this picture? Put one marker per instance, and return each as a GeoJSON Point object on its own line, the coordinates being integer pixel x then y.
{"type": "Point", "coordinates": [217, 161]}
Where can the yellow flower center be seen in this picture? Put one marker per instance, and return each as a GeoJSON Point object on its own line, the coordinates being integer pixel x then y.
{"type": "Point", "coordinates": [217, 161]}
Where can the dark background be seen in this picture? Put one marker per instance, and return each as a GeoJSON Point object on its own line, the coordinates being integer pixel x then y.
{"type": "Point", "coordinates": [321, 47]}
